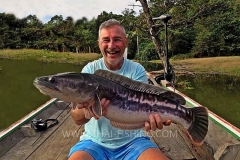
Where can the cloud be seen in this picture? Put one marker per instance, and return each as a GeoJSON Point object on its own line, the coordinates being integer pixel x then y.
{"type": "Point", "coordinates": [45, 9]}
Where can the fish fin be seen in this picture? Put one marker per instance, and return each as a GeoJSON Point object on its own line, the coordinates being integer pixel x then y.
{"type": "Point", "coordinates": [87, 113]}
{"type": "Point", "coordinates": [97, 108]}
{"type": "Point", "coordinates": [199, 127]}
{"type": "Point", "coordinates": [140, 86]}
{"type": "Point", "coordinates": [127, 126]}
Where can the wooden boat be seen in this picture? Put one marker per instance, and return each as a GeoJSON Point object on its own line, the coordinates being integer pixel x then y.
{"type": "Point", "coordinates": [21, 141]}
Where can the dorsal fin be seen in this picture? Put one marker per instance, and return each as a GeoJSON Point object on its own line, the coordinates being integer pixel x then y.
{"type": "Point", "coordinates": [139, 86]}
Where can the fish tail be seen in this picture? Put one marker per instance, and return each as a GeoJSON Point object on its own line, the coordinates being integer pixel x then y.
{"type": "Point", "coordinates": [199, 127]}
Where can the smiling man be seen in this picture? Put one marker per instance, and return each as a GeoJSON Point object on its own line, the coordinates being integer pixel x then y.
{"type": "Point", "coordinates": [112, 43]}
{"type": "Point", "coordinates": [100, 139]}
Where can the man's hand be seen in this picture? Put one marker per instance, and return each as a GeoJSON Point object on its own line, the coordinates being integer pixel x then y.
{"type": "Point", "coordinates": [155, 122]}
{"type": "Point", "coordinates": [88, 106]}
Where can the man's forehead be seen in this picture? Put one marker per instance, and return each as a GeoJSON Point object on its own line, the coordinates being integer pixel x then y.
{"type": "Point", "coordinates": [111, 36]}
{"type": "Point", "coordinates": [112, 30]}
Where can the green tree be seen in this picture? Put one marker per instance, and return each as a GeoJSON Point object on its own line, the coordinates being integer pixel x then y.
{"type": "Point", "coordinates": [217, 32]}
{"type": "Point", "coordinates": [129, 22]}
{"type": "Point", "coordinates": [9, 37]}
{"type": "Point", "coordinates": [31, 31]}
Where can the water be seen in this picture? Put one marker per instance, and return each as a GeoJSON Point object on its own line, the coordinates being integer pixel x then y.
{"type": "Point", "coordinates": [219, 93]}
{"type": "Point", "coordinates": [18, 95]}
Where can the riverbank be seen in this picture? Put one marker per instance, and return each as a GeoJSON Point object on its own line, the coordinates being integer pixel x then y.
{"type": "Point", "coordinates": [220, 65]}
{"type": "Point", "coordinates": [217, 65]}
{"type": "Point", "coordinates": [213, 65]}
{"type": "Point", "coordinates": [49, 56]}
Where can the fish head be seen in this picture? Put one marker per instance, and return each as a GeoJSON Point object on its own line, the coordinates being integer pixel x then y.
{"type": "Point", "coordinates": [68, 87]}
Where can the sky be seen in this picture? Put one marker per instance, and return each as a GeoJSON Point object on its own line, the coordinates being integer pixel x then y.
{"type": "Point", "coordinates": [46, 9]}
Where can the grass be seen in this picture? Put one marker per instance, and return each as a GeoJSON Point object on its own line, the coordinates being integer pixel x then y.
{"type": "Point", "coordinates": [226, 65]}
{"type": "Point", "coordinates": [49, 56]}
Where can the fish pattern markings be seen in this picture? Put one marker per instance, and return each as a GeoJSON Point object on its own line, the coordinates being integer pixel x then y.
{"type": "Point", "coordinates": [130, 101]}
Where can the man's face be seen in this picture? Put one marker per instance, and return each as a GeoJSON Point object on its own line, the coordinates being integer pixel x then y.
{"type": "Point", "coordinates": [112, 43]}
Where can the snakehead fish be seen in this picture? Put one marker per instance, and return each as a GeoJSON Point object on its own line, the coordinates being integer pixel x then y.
{"type": "Point", "coordinates": [131, 101]}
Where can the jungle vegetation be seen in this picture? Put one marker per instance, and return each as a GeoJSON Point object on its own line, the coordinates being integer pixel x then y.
{"type": "Point", "coordinates": [202, 28]}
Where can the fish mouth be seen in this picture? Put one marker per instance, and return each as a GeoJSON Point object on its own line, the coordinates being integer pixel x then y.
{"type": "Point", "coordinates": [41, 84]}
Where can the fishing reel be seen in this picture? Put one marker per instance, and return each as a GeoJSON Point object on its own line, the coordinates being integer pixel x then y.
{"type": "Point", "coordinates": [41, 125]}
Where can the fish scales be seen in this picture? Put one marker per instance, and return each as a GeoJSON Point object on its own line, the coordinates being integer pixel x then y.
{"type": "Point", "coordinates": [131, 101]}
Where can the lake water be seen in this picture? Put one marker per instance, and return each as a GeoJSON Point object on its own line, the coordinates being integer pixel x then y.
{"type": "Point", "coordinates": [219, 93]}
{"type": "Point", "coordinates": [18, 95]}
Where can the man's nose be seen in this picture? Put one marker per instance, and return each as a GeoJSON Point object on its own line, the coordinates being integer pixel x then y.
{"type": "Point", "coordinates": [111, 45]}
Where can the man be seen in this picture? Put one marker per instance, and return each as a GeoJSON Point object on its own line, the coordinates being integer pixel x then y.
{"type": "Point", "coordinates": [100, 140]}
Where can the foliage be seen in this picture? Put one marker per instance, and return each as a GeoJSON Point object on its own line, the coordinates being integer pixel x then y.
{"type": "Point", "coordinates": [181, 56]}
{"type": "Point", "coordinates": [218, 33]}
{"type": "Point", "coordinates": [184, 84]}
{"type": "Point", "coordinates": [204, 28]}
{"type": "Point", "coordinates": [147, 52]}
{"type": "Point", "coordinates": [201, 28]}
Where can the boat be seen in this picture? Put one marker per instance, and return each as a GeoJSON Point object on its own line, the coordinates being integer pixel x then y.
{"type": "Point", "coordinates": [22, 141]}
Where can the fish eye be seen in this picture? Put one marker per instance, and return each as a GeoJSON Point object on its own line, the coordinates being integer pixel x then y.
{"type": "Point", "coordinates": [51, 79]}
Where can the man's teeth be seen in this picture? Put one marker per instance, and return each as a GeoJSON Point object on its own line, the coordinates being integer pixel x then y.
{"type": "Point", "coordinates": [112, 52]}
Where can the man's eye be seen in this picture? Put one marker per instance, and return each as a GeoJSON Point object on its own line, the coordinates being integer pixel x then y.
{"type": "Point", "coordinates": [117, 40]}
{"type": "Point", "coordinates": [105, 40]}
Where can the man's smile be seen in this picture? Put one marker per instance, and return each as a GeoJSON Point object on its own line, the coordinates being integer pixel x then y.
{"type": "Point", "coordinates": [112, 52]}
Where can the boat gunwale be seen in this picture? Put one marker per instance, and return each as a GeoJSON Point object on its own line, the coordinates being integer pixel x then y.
{"type": "Point", "coordinates": [26, 118]}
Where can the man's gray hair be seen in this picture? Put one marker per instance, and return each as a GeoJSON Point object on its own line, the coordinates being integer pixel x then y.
{"type": "Point", "coordinates": [109, 23]}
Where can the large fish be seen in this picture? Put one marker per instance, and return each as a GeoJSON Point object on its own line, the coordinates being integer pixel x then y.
{"type": "Point", "coordinates": [131, 101]}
